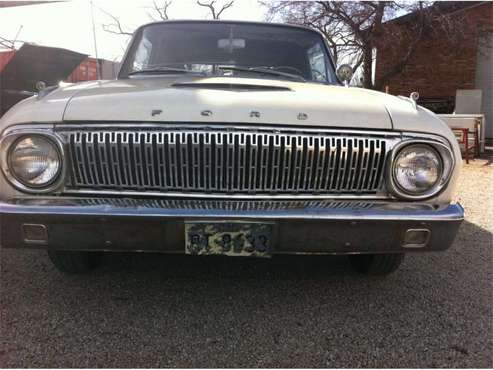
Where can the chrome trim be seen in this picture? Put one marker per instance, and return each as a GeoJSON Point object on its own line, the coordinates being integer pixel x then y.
{"type": "Point", "coordinates": [227, 126]}
{"type": "Point", "coordinates": [226, 205]}
{"type": "Point", "coordinates": [225, 162]}
{"type": "Point", "coordinates": [10, 137]}
{"type": "Point", "coordinates": [151, 194]}
{"type": "Point", "coordinates": [243, 209]}
{"type": "Point", "coordinates": [27, 126]}
{"type": "Point", "coordinates": [446, 156]}
{"type": "Point", "coordinates": [410, 135]}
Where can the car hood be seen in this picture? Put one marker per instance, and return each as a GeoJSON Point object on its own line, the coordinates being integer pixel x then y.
{"type": "Point", "coordinates": [227, 99]}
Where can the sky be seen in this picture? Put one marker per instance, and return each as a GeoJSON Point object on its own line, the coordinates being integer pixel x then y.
{"type": "Point", "coordinates": [68, 25]}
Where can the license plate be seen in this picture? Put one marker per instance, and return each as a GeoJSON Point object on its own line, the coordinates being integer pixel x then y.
{"type": "Point", "coordinates": [228, 238]}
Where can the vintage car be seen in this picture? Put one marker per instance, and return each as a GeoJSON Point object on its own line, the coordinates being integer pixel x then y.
{"type": "Point", "coordinates": [226, 138]}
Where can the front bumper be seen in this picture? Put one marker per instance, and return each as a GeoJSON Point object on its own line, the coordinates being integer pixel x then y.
{"type": "Point", "coordinates": [311, 227]}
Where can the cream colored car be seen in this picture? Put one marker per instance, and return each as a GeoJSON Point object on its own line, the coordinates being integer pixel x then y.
{"type": "Point", "coordinates": [226, 138]}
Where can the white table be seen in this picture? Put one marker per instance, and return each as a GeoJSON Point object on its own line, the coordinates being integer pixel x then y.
{"type": "Point", "coordinates": [466, 121]}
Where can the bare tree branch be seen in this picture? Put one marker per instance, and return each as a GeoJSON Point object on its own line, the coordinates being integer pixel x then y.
{"type": "Point", "coordinates": [162, 10]}
{"type": "Point", "coordinates": [115, 27]}
{"type": "Point", "coordinates": [211, 6]}
{"type": "Point", "coordinates": [354, 29]}
{"type": "Point", "coordinates": [224, 7]}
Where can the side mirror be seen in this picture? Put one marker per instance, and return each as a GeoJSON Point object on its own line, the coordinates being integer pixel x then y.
{"type": "Point", "coordinates": [345, 73]}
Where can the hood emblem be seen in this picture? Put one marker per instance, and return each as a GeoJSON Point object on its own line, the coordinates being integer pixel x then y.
{"type": "Point", "coordinates": [302, 116]}
{"type": "Point", "coordinates": [156, 112]}
{"type": "Point", "coordinates": [206, 113]}
{"type": "Point", "coordinates": [254, 114]}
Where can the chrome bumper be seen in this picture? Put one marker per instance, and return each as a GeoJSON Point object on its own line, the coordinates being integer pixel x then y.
{"type": "Point", "coordinates": [323, 227]}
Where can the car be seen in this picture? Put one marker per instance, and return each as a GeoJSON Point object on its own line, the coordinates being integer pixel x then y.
{"type": "Point", "coordinates": [227, 138]}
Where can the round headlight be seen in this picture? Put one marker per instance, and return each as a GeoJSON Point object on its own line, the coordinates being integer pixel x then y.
{"type": "Point", "coordinates": [34, 161]}
{"type": "Point", "coordinates": [417, 169]}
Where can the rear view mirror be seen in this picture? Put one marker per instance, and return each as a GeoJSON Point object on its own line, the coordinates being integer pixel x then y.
{"type": "Point", "coordinates": [231, 44]}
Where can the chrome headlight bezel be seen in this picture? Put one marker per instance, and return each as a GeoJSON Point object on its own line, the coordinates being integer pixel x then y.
{"type": "Point", "coordinates": [7, 144]}
{"type": "Point", "coordinates": [447, 164]}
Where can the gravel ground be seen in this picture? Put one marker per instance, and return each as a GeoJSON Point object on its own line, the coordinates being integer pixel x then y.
{"type": "Point", "coordinates": [154, 310]}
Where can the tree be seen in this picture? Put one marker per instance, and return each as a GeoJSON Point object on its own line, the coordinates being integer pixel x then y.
{"type": "Point", "coordinates": [116, 26]}
{"type": "Point", "coordinates": [160, 11]}
{"type": "Point", "coordinates": [212, 7]}
{"type": "Point", "coordinates": [354, 30]}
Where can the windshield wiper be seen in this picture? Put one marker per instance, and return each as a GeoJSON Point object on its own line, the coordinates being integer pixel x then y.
{"type": "Point", "coordinates": [164, 70]}
{"type": "Point", "coordinates": [263, 70]}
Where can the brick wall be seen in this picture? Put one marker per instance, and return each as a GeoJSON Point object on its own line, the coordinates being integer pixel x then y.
{"type": "Point", "coordinates": [438, 68]}
{"type": "Point", "coordinates": [85, 71]}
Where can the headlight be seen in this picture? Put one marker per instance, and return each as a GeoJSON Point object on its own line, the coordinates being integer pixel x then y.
{"type": "Point", "coordinates": [420, 170]}
{"type": "Point", "coordinates": [417, 168]}
{"type": "Point", "coordinates": [34, 161]}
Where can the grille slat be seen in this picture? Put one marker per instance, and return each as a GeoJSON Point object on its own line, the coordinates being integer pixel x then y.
{"type": "Point", "coordinates": [210, 161]}
{"type": "Point", "coordinates": [248, 205]}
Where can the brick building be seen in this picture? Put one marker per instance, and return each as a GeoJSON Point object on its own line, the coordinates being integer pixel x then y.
{"type": "Point", "coordinates": [440, 66]}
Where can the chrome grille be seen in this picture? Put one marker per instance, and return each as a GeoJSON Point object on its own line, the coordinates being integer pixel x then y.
{"type": "Point", "coordinates": [220, 161]}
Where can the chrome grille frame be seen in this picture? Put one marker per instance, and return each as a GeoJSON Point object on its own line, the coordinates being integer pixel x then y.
{"type": "Point", "coordinates": [225, 161]}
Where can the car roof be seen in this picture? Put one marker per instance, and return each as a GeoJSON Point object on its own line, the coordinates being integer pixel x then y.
{"type": "Point", "coordinates": [274, 24]}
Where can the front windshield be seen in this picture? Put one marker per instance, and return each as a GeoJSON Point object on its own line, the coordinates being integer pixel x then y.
{"type": "Point", "coordinates": [230, 49]}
